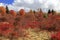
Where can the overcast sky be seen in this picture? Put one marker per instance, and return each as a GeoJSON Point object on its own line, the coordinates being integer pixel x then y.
{"type": "Point", "coordinates": [31, 4]}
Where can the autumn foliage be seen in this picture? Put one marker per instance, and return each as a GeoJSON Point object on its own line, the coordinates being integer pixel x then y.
{"type": "Point", "coordinates": [13, 24]}
{"type": "Point", "coordinates": [12, 12]}
{"type": "Point", "coordinates": [2, 10]}
{"type": "Point", "coordinates": [22, 12]}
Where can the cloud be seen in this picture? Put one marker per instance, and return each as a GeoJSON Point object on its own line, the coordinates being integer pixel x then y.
{"type": "Point", "coordinates": [29, 1]}
{"type": "Point", "coordinates": [1, 4]}
{"type": "Point", "coordinates": [43, 4]}
{"type": "Point", "coordinates": [34, 4]}
{"type": "Point", "coordinates": [17, 1]}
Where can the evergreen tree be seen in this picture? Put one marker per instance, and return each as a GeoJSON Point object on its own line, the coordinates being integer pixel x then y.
{"type": "Point", "coordinates": [53, 12]}
{"type": "Point", "coordinates": [7, 10]}
{"type": "Point", "coordinates": [34, 11]}
{"type": "Point", "coordinates": [41, 10]}
{"type": "Point", "coordinates": [49, 11]}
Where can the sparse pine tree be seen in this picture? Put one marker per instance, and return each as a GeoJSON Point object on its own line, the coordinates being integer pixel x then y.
{"type": "Point", "coordinates": [53, 12]}
{"type": "Point", "coordinates": [34, 11]}
{"type": "Point", "coordinates": [49, 11]}
{"type": "Point", "coordinates": [41, 10]}
{"type": "Point", "coordinates": [7, 10]}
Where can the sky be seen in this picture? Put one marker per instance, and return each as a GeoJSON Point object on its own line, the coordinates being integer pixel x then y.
{"type": "Point", "coordinates": [7, 1]}
{"type": "Point", "coordinates": [31, 4]}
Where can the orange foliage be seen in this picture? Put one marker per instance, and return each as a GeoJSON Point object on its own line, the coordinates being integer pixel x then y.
{"type": "Point", "coordinates": [2, 10]}
{"type": "Point", "coordinates": [13, 12]}
{"type": "Point", "coordinates": [22, 12]}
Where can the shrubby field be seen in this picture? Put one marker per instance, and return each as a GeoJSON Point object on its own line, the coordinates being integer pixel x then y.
{"type": "Point", "coordinates": [32, 25]}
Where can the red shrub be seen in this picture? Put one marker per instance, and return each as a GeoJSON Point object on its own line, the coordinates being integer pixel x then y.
{"type": "Point", "coordinates": [6, 28]}
{"type": "Point", "coordinates": [56, 36]}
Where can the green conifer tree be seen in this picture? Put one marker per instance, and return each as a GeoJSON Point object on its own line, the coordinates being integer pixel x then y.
{"type": "Point", "coordinates": [7, 10]}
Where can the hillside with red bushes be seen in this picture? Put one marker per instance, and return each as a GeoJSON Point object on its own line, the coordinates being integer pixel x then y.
{"type": "Point", "coordinates": [21, 24]}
